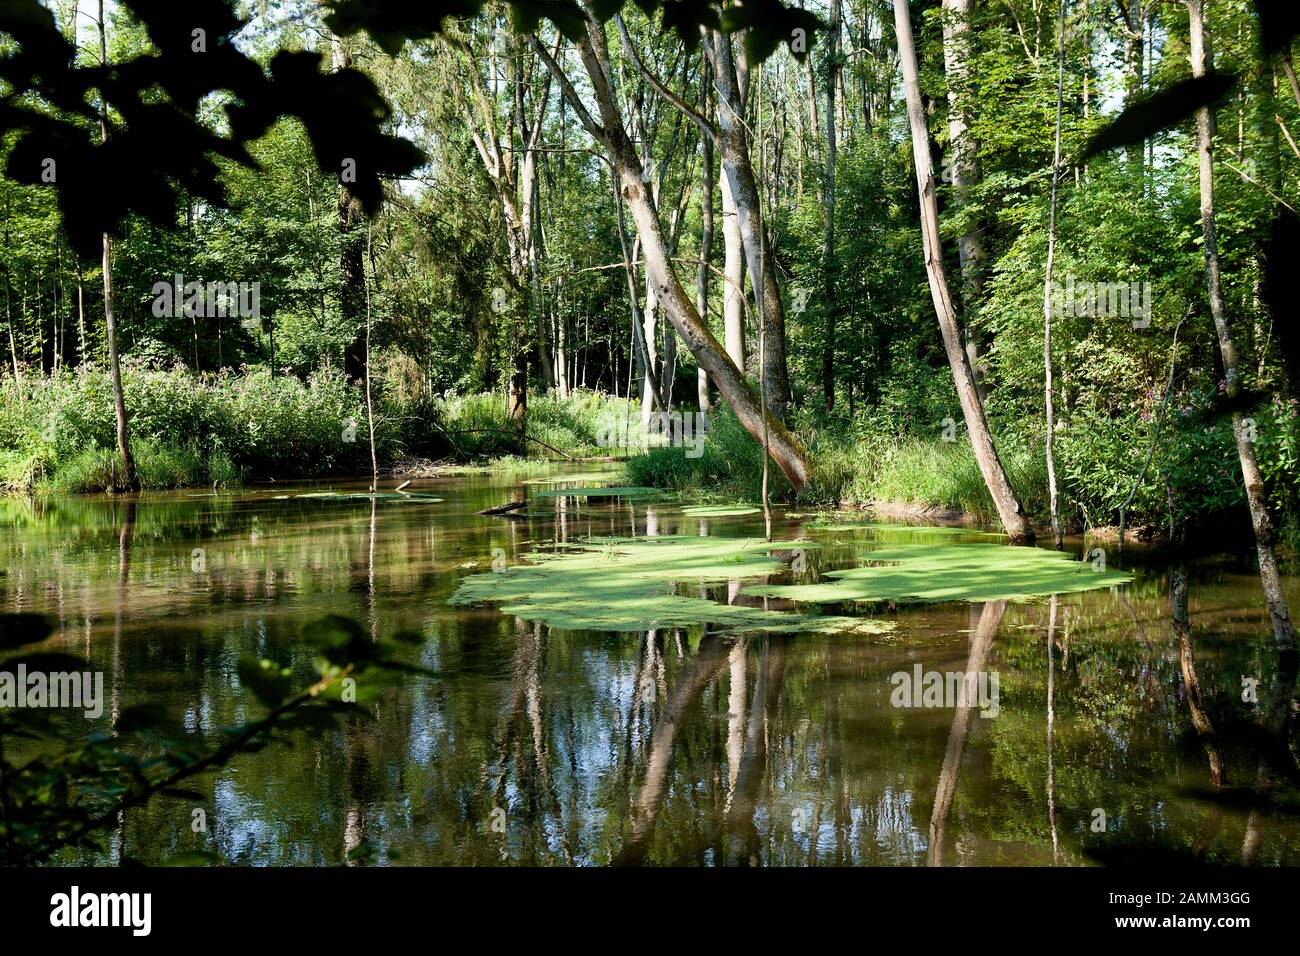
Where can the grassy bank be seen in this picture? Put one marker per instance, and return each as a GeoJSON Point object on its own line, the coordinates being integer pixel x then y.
{"type": "Point", "coordinates": [853, 465]}
{"type": "Point", "coordinates": [57, 436]}
{"type": "Point", "coordinates": [58, 433]}
{"type": "Point", "coordinates": [865, 460]}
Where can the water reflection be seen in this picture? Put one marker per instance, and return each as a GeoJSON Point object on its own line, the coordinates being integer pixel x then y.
{"type": "Point", "coordinates": [682, 746]}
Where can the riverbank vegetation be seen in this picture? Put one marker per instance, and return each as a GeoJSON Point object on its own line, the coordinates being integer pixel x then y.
{"type": "Point", "coordinates": [1027, 262]}
{"type": "Point", "coordinates": [543, 234]}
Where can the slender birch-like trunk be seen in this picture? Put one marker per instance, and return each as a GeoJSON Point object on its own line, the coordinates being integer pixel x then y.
{"type": "Point", "coordinates": [1050, 441]}
{"type": "Point", "coordinates": [110, 322]}
{"type": "Point", "coordinates": [977, 427]}
{"type": "Point", "coordinates": [1270, 579]}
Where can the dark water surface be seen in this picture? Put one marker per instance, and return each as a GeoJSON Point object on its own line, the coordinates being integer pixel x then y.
{"type": "Point", "coordinates": [540, 746]}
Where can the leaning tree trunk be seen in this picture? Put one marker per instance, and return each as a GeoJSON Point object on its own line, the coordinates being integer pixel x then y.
{"type": "Point", "coordinates": [785, 449]}
{"type": "Point", "coordinates": [977, 426]}
{"type": "Point", "coordinates": [1283, 630]}
{"type": "Point", "coordinates": [609, 131]}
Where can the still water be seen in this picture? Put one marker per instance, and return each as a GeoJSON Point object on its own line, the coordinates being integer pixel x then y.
{"type": "Point", "coordinates": [539, 746]}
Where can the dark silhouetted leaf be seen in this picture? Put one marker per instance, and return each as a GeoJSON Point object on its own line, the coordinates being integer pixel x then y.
{"type": "Point", "coordinates": [1158, 112]}
{"type": "Point", "coordinates": [137, 717]}
{"type": "Point", "coordinates": [269, 683]}
{"type": "Point", "coordinates": [24, 628]}
{"type": "Point", "coordinates": [1279, 22]}
{"type": "Point", "coordinates": [768, 24]}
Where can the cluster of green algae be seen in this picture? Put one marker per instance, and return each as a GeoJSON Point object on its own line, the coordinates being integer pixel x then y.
{"type": "Point", "coordinates": [629, 584]}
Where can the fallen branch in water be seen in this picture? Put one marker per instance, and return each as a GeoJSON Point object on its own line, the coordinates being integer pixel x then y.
{"type": "Point", "coordinates": [506, 508]}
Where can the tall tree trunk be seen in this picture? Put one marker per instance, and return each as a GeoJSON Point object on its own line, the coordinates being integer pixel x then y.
{"type": "Point", "coordinates": [706, 251]}
{"type": "Point", "coordinates": [610, 133]}
{"type": "Point", "coordinates": [828, 202]}
{"type": "Point", "coordinates": [352, 292]}
{"type": "Point", "coordinates": [110, 322]}
{"type": "Point", "coordinates": [1283, 630]}
{"type": "Point", "coordinates": [733, 278]}
{"type": "Point", "coordinates": [965, 172]}
{"type": "Point", "coordinates": [738, 171]}
{"type": "Point", "coordinates": [977, 427]}
{"type": "Point", "coordinates": [370, 406]}
{"type": "Point", "coordinates": [1132, 26]}
{"type": "Point", "coordinates": [1050, 442]}
{"type": "Point", "coordinates": [650, 371]}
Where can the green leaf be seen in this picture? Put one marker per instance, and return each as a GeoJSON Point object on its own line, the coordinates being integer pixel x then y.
{"type": "Point", "coordinates": [137, 717]}
{"type": "Point", "coordinates": [23, 628]}
{"type": "Point", "coordinates": [270, 684]}
{"type": "Point", "coordinates": [339, 639]}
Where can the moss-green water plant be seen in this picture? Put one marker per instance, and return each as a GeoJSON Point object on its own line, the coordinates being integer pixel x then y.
{"type": "Point", "coordinates": [630, 584]}
{"type": "Point", "coordinates": [952, 572]}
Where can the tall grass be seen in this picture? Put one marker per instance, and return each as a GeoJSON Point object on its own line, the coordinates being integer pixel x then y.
{"type": "Point", "coordinates": [58, 433]}
{"type": "Point", "coordinates": [946, 475]}
{"type": "Point", "coordinates": [580, 426]}
{"type": "Point", "coordinates": [853, 463]}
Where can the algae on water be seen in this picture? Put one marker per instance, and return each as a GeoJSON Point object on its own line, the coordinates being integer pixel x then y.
{"type": "Point", "coordinates": [620, 492]}
{"type": "Point", "coordinates": [924, 532]}
{"type": "Point", "coordinates": [719, 511]}
{"type": "Point", "coordinates": [629, 584]}
{"type": "Point", "coordinates": [951, 572]}
{"type": "Point", "coordinates": [587, 476]}
{"type": "Point", "coordinates": [368, 495]}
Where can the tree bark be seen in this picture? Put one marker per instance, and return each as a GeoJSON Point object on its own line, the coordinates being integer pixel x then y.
{"type": "Point", "coordinates": [965, 171]}
{"type": "Point", "coordinates": [110, 322]}
{"type": "Point", "coordinates": [733, 277]}
{"type": "Point", "coordinates": [995, 477]}
{"type": "Point", "coordinates": [706, 247]}
{"type": "Point", "coordinates": [1050, 442]}
{"type": "Point", "coordinates": [610, 133]}
{"type": "Point", "coordinates": [828, 204]}
{"type": "Point", "coordinates": [1283, 630]}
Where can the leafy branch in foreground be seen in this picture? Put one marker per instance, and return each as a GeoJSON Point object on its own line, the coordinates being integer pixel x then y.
{"type": "Point", "coordinates": [69, 791]}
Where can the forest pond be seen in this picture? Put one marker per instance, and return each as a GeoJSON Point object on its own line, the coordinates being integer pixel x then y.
{"type": "Point", "coordinates": [686, 744]}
